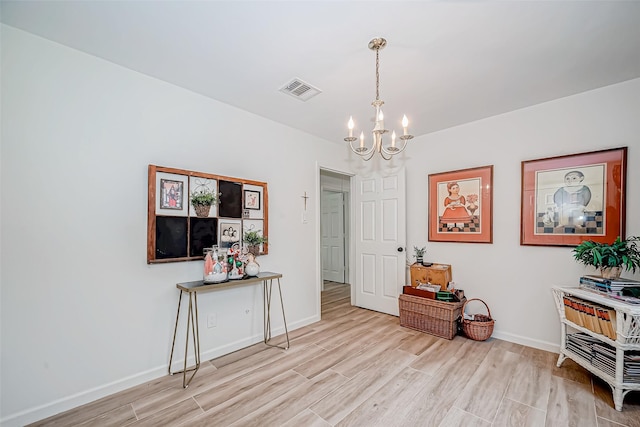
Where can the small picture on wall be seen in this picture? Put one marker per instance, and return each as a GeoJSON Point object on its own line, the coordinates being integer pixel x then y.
{"type": "Point", "coordinates": [251, 199]}
{"type": "Point", "coordinates": [230, 233]}
{"type": "Point", "coordinates": [171, 194]}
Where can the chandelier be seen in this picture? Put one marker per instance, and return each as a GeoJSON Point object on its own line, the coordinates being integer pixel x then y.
{"type": "Point", "coordinates": [391, 149]}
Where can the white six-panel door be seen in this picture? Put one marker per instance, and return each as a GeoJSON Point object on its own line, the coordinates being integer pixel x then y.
{"type": "Point", "coordinates": [380, 224]}
{"type": "Point", "coordinates": [333, 236]}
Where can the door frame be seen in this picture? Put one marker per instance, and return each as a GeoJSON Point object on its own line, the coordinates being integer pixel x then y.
{"type": "Point", "coordinates": [349, 222]}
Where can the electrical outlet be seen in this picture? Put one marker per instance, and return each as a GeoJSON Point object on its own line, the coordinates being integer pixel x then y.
{"type": "Point", "coordinates": [212, 320]}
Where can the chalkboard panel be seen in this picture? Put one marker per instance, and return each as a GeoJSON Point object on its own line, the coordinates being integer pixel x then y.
{"type": "Point", "coordinates": [230, 199]}
{"type": "Point", "coordinates": [171, 237]}
{"type": "Point", "coordinates": [203, 234]}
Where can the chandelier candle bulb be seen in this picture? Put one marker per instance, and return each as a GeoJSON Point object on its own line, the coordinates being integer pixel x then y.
{"type": "Point", "coordinates": [405, 123]}
{"type": "Point", "coordinates": [393, 139]}
{"type": "Point", "coordinates": [361, 139]}
{"type": "Point", "coordinates": [350, 124]}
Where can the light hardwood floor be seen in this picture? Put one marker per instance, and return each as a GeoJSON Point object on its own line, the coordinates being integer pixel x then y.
{"type": "Point", "coordinates": [360, 368]}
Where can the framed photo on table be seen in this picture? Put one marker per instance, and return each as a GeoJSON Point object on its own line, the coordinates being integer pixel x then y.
{"type": "Point", "coordinates": [568, 199]}
{"type": "Point", "coordinates": [460, 206]}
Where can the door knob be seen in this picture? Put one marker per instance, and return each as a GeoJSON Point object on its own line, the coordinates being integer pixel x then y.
{"type": "Point", "coordinates": [400, 249]}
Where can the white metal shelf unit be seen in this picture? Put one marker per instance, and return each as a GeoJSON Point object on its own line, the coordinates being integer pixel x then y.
{"type": "Point", "coordinates": [628, 338]}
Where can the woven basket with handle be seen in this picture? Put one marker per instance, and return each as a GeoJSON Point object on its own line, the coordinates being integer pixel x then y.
{"type": "Point", "coordinates": [481, 327]}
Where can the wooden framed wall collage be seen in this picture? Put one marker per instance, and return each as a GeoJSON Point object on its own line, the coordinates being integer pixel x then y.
{"type": "Point", "coordinates": [177, 232]}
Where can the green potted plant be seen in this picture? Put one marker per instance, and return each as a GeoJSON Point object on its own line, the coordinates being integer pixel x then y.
{"type": "Point", "coordinates": [419, 253]}
{"type": "Point", "coordinates": [254, 239]}
{"type": "Point", "coordinates": [201, 201]}
{"type": "Point", "coordinates": [612, 258]}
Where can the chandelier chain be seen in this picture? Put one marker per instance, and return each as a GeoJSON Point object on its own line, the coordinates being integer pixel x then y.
{"type": "Point", "coordinates": [377, 74]}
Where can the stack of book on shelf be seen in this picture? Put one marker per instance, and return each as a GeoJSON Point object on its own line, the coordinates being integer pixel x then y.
{"type": "Point", "coordinates": [596, 318]}
{"type": "Point", "coordinates": [625, 290]}
{"type": "Point", "coordinates": [603, 356]}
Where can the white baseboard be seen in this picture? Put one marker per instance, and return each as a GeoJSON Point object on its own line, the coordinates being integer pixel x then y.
{"type": "Point", "coordinates": [64, 404]}
{"type": "Point", "coordinates": [519, 339]}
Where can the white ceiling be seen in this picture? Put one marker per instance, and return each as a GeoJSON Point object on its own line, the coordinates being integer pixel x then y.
{"type": "Point", "coordinates": [446, 63]}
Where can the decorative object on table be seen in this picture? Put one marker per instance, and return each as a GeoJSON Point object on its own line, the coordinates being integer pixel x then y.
{"type": "Point", "coordinates": [379, 130]}
{"type": "Point", "coordinates": [478, 327]}
{"type": "Point", "coordinates": [201, 201]}
{"type": "Point", "coordinates": [568, 199]}
{"type": "Point", "coordinates": [612, 258]}
{"type": "Point", "coordinates": [215, 266]}
{"type": "Point", "coordinates": [235, 263]}
{"type": "Point", "coordinates": [461, 206]}
{"type": "Point", "coordinates": [254, 239]}
{"type": "Point", "coordinates": [252, 268]}
{"type": "Point", "coordinates": [419, 253]}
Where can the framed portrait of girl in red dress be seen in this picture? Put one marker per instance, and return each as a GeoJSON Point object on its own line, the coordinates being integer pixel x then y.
{"type": "Point", "coordinates": [460, 206]}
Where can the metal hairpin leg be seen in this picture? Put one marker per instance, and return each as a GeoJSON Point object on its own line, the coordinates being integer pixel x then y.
{"type": "Point", "coordinates": [192, 323]}
{"type": "Point", "coordinates": [267, 313]}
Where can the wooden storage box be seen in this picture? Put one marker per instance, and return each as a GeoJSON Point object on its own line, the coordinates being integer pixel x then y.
{"type": "Point", "coordinates": [409, 290]}
{"type": "Point", "coordinates": [437, 274]}
{"type": "Point", "coordinates": [431, 316]}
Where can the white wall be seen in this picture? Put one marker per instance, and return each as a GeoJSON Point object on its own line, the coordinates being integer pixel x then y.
{"type": "Point", "coordinates": [83, 315]}
{"type": "Point", "coordinates": [515, 280]}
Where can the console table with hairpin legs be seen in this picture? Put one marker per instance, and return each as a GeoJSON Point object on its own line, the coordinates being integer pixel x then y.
{"type": "Point", "coordinates": [192, 288]}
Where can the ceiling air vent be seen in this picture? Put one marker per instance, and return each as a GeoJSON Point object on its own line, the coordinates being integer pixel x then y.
{"type": "Point", "coordinates": [300, 90]}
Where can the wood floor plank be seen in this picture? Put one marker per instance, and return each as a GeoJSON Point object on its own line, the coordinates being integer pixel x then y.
{"type": "Point", "coordinates": [171, 416]}
{"type": "Point", "coordinates": [432, 403]}
{"type": "Point", "coordinates": [381, 408]}
{"type": "Point", "coordinates": [473, 351]}
{"type": "Point", "coordinates": [121, 416]}
{"type": "Point", "coordinates": [337, 405]}
{"type": "Point", "coordinates": [456, 417]}
{"type": "Point", "coordinates": [492, 379]}
{"type": "Point", "coordinates": [295, 401]}
{"type": "Point", "coordinates": [516, 414]}
{"type": "Point", "coordinates": [352, 366]}
{"type": "Point", "coordinates": [216, 396]}
{"type": "Point", "coordinates": [432, 358]}
{"type": "Point", "coordinates": [306, 418]}
{"type": "Point", "coordinates": [235, 406]}
{"type": "Point", "coordinates": [530, 385]}
{"type": "Point", "coordinates": [570, 404]}
{"type": "Point", "coordinates": [205, 380]}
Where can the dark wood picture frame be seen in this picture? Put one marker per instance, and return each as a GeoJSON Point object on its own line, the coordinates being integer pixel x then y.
{"type": "Point", "coordinates": [568, 199]}
{"type": "Point", "coordinates": [171, 236]}
{"type": "Point", "coordinates": [173, 197]}
{"type": "Point", "coordinates": [252, 200]}
{"type": "Point", "coordinates": [461, 205]}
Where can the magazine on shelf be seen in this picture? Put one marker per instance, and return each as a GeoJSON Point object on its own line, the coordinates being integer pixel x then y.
{"type": "Point", "coordinates": [612, 284]}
